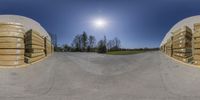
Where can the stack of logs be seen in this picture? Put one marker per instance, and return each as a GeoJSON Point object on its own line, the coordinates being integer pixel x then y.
{"type": "Point", "coordinates": [48, 46]}
{"type": "Point", "coordinates": [185, 45]}
{"type": "Point", "coordinates": [196, 44]}
{"type": "Point", "coordinates": [182, 44]}
{"type": "Point", "coordinates": [34, 46]}
{"type": "Point", "coordinates": [11, 44]}
{"type": "Point", "coordinates": [168, 47]}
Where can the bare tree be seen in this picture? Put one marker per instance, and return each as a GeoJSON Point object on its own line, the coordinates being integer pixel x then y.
{"type": "Point", "coordinates": [92, 41]}
{"type": "Point", "coordinates": [84, 39]}
{"type": "Point", "coordinates": [105, 40]}
{"type": "Point", "coordinates": [66, 47]}
{"type": "Point", "coordinates": [109, 44]}
{"type": "Point", "coordinates": [102, 45]}
{"type": "Point", "coordinates": [77, 43]}
{"type": "Point", "coordinates": [114, 44]}
{"type": "Point", "coordinates": [117, 43]}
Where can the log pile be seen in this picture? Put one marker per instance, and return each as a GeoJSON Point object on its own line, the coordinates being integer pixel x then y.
{"type": "Point", "coordinates": [196, 44]}
{"type": "Point", "coordinates": [182, 44]}
{"type": "Point", "coordinates": [168, 47]}
{"type": "Point", "coordinates": [52, 48]}
{"type": "Point", "coordinates": [48, 46]}
{"type": "Point", "coordinates": [34, 46]}
{"type": "Point", "coordinates": [11, 44]}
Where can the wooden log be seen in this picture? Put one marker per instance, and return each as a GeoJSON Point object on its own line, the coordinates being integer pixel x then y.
{"type": "Point", "coordinates": [34, 54]}
{"type": "Point", "coordinates": [182, 38]}
{"type": "Point", "coordinates": [47, 46]}
{"type": "Point", "coordinates": [12, 51]}
{"type": "Point", "coordinates": [196, 62]}
{"type": "Point", "coordinates": [11, 26]}
{"type": "Point", "coordinates": [186, 60]}
{"type": "Point", "coordinates": [182, 35]}
{"type": "Point", "coordinates": [196, 45]}
{"type": "Point", "coordinates": [183, 41]}
{"type": "Point", "coordinates": [34, 50]}
{"type": "Point", "coordinates": [34, 47]}
{"type": "Point", "coordinates": [11, 57]}
{"type": "Point", "coordinates": [36, 38]}
{"type": "Point", "coordinates": [196, 51]}
{"type": "Point", "coordinates": [12, 34]}
{"type": "Point", "coordinates": [31, 34]}
{"type": "Point", "coordinates": [31, 60]}
{"type": "Point", "coordinates": [11, 45]}
{"type": "Point", "coordinates": [177, 45]}
{"type": "Point", "coordinates": [11, 40]}
{"type": "Point", "coordinates": [196, 57]}
{"type": "Point", "coordinates": [184, 55]}
{"type": "Point", "coordinates": [196, 35]}
{"type": "Point", "coordinates": [196, 26]}
{"type": "Point", "coordinates": [7, 27]}
{"type": "Point", "coordinates": [187, 45]}
{"type": "Point", "coordinates": [181, 30]}
{"type": "Point", "coordinates": [52, 48]}
{"type": "Point", "coordinates": [32, 42]}
{"type": "Point", "coordinates": [34, 33]}
{"type": "Point", "coordinates": [196, 40]}
{"type": "Point", "coordinates": [183, 50]}
{"type": "Point", "coordinates": [11, 63]}
{"type": "Point", "coordinates": [11, 30]}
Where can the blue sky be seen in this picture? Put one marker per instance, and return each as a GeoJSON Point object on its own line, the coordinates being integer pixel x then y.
{"type": "Point", "coordinates": [137, 23]}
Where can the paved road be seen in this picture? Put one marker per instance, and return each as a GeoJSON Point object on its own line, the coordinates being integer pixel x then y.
{"type": "Point", "coordinates": [91, 76]}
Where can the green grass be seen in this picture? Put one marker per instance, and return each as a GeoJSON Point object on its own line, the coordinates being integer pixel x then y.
{"type": "Point", "coordinates": [123, 52]}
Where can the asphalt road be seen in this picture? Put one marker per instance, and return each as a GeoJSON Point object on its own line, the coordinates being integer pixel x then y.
{"type": "Point", "coordinates": [91, 76]}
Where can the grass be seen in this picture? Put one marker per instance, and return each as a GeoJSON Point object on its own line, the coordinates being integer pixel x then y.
{"type": "Point", "coordinates": [123, 52]}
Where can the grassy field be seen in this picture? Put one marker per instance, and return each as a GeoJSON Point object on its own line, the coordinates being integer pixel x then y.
{"type": "Point", "coordinates": [123, 52]}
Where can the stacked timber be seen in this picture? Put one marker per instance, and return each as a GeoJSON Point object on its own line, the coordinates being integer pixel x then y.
{"type": "Point", "coordinates": [52, 48]}
{"type": "Point", "coordinates": [34, 46]}
{"type": "Point", "coordinates": [168, 47]}
{"type": "Point", "coordinates": [182, 44]}
{"type": "Point", "coordinates": [48, 46]}
{"type": "Point", "coordinates": [11, 44]}
{"type": "Point", "coordinates": [196, 44]}
{"type": "Point", "coordinates": [163, 48]}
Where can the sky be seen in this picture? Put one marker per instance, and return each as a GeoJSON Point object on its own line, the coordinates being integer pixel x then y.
{"type": "Point", "coordinates": [137, 23]}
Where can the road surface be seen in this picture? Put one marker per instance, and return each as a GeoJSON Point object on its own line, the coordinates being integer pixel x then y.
{"type": "Point", "coordinates": [91, 76]}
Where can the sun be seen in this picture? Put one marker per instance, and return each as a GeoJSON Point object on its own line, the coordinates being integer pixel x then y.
{"type": "Point", "coordinates": [100, 23]}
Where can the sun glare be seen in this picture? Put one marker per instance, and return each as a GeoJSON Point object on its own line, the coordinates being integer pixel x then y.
{"type": "Point", "coordinates": [100, 23]}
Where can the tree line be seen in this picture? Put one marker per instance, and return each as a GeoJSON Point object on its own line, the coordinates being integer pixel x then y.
{"type": "Point", "coordinates": [88, 43]}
